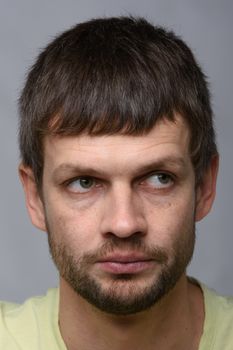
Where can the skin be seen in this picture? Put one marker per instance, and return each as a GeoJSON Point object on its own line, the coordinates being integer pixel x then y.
{"type": "Point", "coordinates": [126, 197]}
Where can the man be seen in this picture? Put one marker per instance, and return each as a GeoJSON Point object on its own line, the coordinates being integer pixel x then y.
{"type": "Point", "coordinates": [118, 163]}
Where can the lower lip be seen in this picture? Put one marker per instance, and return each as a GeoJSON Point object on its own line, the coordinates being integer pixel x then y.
{"type": "Point", "coordinates": [125, 267]}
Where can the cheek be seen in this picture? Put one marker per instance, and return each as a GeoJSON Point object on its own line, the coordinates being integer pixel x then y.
{"type": "Point", "coordinates": [70, 226]}
{"type": "Point", "coordinates": [171, 220]}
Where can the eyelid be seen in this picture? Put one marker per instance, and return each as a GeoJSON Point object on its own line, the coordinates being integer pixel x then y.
{"type": "Point", "coordinates": [157, 172]}
{"type": "Point", "coordinates": [70, 185]}
{"type": "Point", "coordinates": [97, 183]}
{"type": "Point", "coordinates": [76, 178]}
{"type": "Point", "coordinates": [138, 179]}
{"type": "Point", "coordinates": [156, 185]}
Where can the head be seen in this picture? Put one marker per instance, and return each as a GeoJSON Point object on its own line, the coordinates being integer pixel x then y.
{"type": "Point", "coordinates": [106, 92]}
{"type": "Point", "coordinates": [109, 76]}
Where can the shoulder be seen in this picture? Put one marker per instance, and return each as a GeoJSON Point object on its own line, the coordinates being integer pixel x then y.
{"type": "Point", "coordinates": [218, 326]}
{"type": "Point", "coordinates": [217, 305]}
{"type": "Point", "coordinates": [13, 315]}
{"type": "Point", "coordinates": [21, 325]}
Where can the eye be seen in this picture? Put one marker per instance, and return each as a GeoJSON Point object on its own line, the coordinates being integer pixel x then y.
{"type": "Point", "coordinates": [81, 185]}
{"type": "Point", "coordinates": [158, 181]}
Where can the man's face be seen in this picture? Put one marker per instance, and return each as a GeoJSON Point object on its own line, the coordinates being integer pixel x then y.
{"type": "Point", "coordinates": [120, 213]}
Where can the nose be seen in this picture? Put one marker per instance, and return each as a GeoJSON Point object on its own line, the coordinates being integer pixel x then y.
{"type": "Point", "coordinates": [123, 214]}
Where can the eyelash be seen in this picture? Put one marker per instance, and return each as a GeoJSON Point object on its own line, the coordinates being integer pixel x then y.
{"type": "Point", "coordinates": [171, 179]}
{"type": "Point", "coordinates": [141, 181]}
{"type": "Point", "coordinates": [70, 181]}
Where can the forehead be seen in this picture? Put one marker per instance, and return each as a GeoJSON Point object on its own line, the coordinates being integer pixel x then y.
{"type": "Point", "coordinates": [167, 138]}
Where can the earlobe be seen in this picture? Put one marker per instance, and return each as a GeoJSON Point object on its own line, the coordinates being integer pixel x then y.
{"type": "Point", "coordinates": [33, 199]}
{"type": "Point", "coordinates": [206, 190]}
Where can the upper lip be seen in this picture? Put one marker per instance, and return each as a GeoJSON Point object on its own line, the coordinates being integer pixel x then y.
{"type": "Point", "coordinates": [124, 258]}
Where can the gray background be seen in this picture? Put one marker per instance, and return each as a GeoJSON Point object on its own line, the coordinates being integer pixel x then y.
{"type": "Point", "coordinates": [25, 27]}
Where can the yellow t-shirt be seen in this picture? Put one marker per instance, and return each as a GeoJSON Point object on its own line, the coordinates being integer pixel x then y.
{"type": "Point", "coordinates": [34, 325]}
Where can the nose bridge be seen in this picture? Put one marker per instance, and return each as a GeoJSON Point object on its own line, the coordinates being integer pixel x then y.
{"type": "Point", "coordinates": [123, 214]}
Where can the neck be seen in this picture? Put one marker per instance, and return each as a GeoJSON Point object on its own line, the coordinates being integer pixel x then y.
{"type": "Point", "coordinates": [176, 322]}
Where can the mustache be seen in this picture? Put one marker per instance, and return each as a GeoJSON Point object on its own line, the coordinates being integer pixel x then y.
{"type": "Point", "coordinates": [132, 244]}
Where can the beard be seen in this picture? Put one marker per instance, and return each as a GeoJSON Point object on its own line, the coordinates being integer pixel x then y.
{"type": "Point", "coordinates": [124, 294]}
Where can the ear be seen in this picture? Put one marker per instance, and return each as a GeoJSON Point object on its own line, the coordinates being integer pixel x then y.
{"type": "Point", "coordinates": [34, 202]}
{"type": "Point", "coordinates": [206, 190]}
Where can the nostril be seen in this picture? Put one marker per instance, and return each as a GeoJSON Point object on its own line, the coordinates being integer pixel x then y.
{"type": "Point", "coordinates": [135, 237]}
{"type": "Point", "coordinates": [135, 241]}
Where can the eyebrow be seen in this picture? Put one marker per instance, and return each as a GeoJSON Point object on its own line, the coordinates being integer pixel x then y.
{"type": "Point", "coordinates": [176, 163]}
{"type": "Point", "coordinates": [75, 169]}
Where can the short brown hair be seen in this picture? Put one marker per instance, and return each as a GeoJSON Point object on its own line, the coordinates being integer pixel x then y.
{"type": "Point", "coordinates": [114, 75]}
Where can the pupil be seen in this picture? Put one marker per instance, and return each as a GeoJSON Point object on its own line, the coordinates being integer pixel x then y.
{"type": "Point", "coordinates": [163, 178]}
{"type": "Point", "coordinates": [86, 183]}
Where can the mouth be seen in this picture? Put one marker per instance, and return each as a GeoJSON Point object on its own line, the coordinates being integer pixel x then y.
{"type": "Point", "coordinates": [125, 264]}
